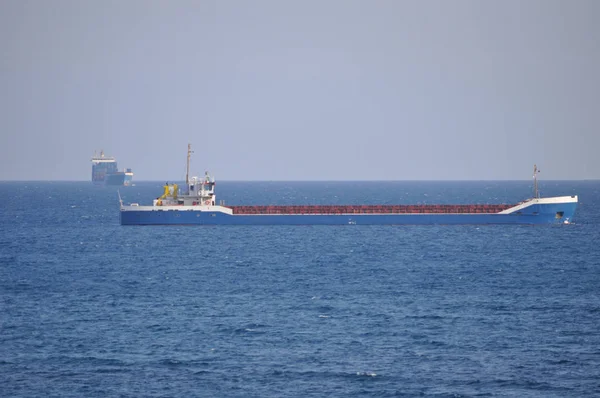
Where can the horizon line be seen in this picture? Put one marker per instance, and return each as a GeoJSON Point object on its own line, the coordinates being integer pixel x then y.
{"type": "Point", "coordinates": [358, 180]}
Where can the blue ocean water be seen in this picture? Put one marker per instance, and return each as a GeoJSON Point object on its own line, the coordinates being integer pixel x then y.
{"type": "Point", "coordinates": [89, 308]}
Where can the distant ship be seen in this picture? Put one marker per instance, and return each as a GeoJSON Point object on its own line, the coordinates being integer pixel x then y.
{"type": "Point", "coordinates": [105, 171]}
{"type": "Point", "coordinates": [196, 204]}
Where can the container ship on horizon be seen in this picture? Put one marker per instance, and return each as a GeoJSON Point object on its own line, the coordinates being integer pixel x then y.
{"type": "Point", "coordinates": [197, 205]}
{"type": "Point", "coordinates": [105, 171]}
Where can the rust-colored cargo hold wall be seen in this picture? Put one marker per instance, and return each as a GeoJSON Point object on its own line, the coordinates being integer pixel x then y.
{"type": "Point", "coordinates": [370, 209]}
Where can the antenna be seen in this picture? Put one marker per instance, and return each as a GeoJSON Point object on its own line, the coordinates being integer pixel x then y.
{"type": "Point", "coordinates": [536, 193]}
{"type": "Point", "coordinates": [187, 169]}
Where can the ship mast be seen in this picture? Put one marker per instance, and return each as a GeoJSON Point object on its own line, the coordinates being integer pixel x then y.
{"type": "Point", "coordinates": [187, 169]}
{"type": "Point", "coordinates": [536, 193]}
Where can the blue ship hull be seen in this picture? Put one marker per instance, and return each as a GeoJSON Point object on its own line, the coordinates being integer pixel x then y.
{"type": "Point", "coordinates": [118, 179]}
{"type": "Point", "coordinates": [547, 213]}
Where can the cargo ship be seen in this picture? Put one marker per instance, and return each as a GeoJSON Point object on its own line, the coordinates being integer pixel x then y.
{"type": "Point", "coordinates": [106, 172]}
{"type": "Point", "coordinates": [196, 204]}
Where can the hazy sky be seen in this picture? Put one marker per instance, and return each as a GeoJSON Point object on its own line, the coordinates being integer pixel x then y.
{"type": "Point", "coordinates": [301, 90]}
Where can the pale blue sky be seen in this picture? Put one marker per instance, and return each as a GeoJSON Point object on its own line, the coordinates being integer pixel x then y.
{"type": "Point", "coordinates": [301, 90]}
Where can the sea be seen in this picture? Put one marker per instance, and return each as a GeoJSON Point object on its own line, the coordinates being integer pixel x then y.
{"type": "Point", "coordinates": [90, 308]}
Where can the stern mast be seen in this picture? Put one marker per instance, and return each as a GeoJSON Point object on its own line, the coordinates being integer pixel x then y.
{"type": "Point", "coordinates": [187, 168]}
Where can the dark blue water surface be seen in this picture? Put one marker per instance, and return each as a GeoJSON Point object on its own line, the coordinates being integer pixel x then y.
{"type": "Point", "coordinates": [89, 308]}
